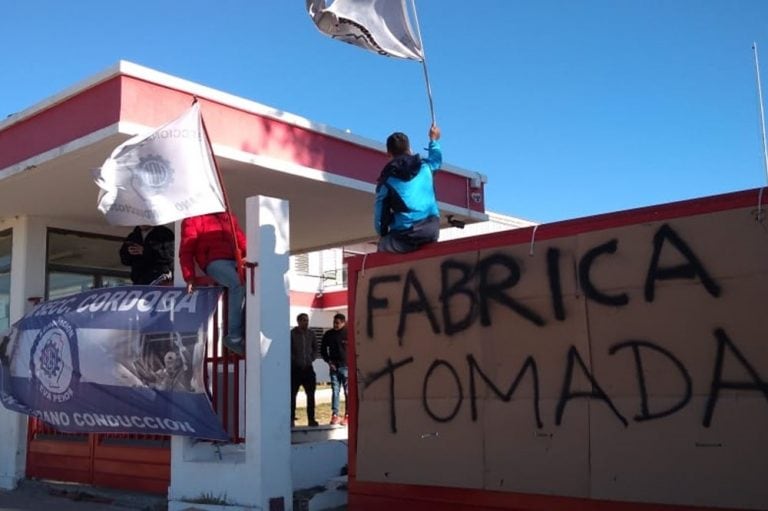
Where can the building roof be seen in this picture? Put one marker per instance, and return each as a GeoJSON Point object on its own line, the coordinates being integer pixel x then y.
{"type": "Point", "coordinates": [48, 153]}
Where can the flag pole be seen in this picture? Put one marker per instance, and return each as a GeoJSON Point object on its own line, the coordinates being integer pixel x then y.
{"type": "Point", "coordinates": [762, 110]}
{"type": "Point", "coordinates": [423, 61]}
{"type": "Point", "coordinates": [238, 256]}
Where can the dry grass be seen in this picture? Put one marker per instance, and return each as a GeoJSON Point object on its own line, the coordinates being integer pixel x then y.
{"type": "Point", "coordinates": [322, 411]}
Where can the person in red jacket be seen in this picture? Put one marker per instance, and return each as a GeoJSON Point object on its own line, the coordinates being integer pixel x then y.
{"type": "Point", "coordinates": [208, 241]}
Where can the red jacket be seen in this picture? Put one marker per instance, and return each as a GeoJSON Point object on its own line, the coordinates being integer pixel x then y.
{"type": "Point", "coordinates": [206, 238]}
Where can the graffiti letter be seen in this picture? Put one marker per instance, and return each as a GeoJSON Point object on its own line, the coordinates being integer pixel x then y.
{"type": "Point", "coordinates": [645, 415]}
{"type": "Point", "coordinates": [377, 303]}
{"type": "Point", "coordinates": [757, 383]}
{"type": "Point", "coordinates": [389, 369]}
{"type": "Point", "coordinates": [495, 291]}
{"type": "Point", "coordinates": [457, 288]}
{"type": "Point", "coordinates": [555, 288]}
{"type": "Point", "coordinates": [689, 270]}
{"type": "Point", "coordinates": [455, 375]}
{"type": "Point", "coordinates": [586, 283]}
{"type": "Point", "coordinates": [419, 305]}
{"type": "Point", "coordinates": [529, 363]}
{"type": "Point", "coordinates": [566, 394]}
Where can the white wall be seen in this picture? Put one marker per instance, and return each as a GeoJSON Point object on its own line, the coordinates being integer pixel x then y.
{"type": "Point", "coordinates": [314, 463]}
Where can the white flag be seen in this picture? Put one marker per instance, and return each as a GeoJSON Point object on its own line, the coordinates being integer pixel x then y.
{"type": "Point", "coordinates": [381, 26]}
{"type": "Point", "coordinates": [161, 177]}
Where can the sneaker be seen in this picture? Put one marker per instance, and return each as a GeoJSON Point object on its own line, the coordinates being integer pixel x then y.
{"type": "Point", "coordinates": [235, 345]}
{"type": "Point", "coordinates": [313, 423]}
{"type": "Point", "coordinates": [335, 420]}
{"type": "Point", "coordinates": [344, 421]}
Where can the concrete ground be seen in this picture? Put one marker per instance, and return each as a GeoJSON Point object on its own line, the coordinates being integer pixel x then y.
{"type": "Point", "coordinates": [42, 495]}
{"type": "Point", "coordinates": [52, 496]}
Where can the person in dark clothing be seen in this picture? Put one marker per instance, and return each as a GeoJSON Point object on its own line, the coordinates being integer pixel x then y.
{"type": "Point", "coordinates": [406, 215]}
{"type": "Point", "coordinates": [148, 250]}
{"type": "Point", "coordinates": [333, 349]}
{"type": "Point", "coordinates": [303, 353]}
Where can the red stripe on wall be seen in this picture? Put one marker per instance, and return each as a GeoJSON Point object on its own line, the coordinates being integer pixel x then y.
{"type": "Point", "coordinates": [130, 99]}
{"type": "Point", "coordinates": [302, 299]}
{"type": "Point", "coordinates": [330, 300]}
{"type": "Point", "coordinates": [388, 496]}
{"type": "Point", "coordinates": [75, 117]}
{"type": "Point", "coordinates": [261, 135]}
{"type": "Point", "coordinates": [334, 299]}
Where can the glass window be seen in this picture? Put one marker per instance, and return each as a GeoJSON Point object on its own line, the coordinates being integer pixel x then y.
{"type": "Point", "coordinates": [62, 284]}
{"type": "Point", "coordinates": [114, 281]}
{"type": "Point", "coordinates": [6, 243]}
{"type": "Point", "coordinates": [81, 261]}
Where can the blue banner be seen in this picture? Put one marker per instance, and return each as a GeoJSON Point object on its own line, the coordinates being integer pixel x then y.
{"type": "Point", "coordinates": [121, 359]}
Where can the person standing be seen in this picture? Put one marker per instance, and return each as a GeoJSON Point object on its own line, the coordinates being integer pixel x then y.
{"type": "Point", "coordinates": [148, 250]}
{"type": "Point", "coordinates": [303, 353]}
{"type": "Point", "coordinates": [209, 241]}
{"type": "Point", "coordinates": [406, 215]}
{"type": "Point", "coordinates": [333, 349]}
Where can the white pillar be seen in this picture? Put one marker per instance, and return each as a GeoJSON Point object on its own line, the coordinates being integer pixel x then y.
{"type": "Point", "coordinates": [268, 426]}
{"type": "Point", "coordinates": [256, 475]}
{"type": "Point", "coordinates": [27, 280]}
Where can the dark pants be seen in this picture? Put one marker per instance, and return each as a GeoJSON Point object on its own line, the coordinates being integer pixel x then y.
{"type": "Point", "coordinates": [303, 377]}
{"type": "Point", "coordinates": [421, 233]}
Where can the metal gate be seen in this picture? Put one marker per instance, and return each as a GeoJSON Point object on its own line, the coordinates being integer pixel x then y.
{"type": "Point", "coordinates": [116, 460]}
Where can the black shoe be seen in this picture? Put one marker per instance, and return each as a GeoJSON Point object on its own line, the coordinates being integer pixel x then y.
{"type": "Point", "coordinates": [313, 423]}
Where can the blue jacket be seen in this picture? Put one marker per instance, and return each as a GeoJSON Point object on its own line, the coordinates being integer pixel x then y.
{"type": "Point", "coordinates": [405, 193]}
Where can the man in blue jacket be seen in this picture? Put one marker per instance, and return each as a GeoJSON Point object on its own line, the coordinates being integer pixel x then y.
{"type": "Point", "coordinates": [406, 214]}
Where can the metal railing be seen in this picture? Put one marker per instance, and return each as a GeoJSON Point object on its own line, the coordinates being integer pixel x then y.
{"type": "Point", "coordinates": [222, 373]}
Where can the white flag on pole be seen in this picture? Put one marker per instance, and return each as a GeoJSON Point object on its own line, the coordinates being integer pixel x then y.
{"type": "Point", "coordinates": [381, 26]}
{"type": "Point", "coordinates": [161, 177]}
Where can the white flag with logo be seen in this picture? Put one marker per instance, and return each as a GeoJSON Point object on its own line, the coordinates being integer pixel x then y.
{"type": "Point", "coordinates": [381, 26]}
{"type": "Point", "coordinates": [161, 177]}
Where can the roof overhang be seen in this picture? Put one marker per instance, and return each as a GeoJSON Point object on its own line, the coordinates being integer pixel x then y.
{"type": "Point", "coordinates": [49, 151]}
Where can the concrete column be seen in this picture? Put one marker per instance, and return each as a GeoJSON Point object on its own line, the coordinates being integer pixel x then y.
{"type": "Point", "coordinates": [27, 280]}
{"type": "Point", "coordinates": [268, 427]}
{"type": "Point", "coordinates": [256, 475]}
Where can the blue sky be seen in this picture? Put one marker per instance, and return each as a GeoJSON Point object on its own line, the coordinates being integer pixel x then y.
{"type": "Point", "coordinates": [571, 108]}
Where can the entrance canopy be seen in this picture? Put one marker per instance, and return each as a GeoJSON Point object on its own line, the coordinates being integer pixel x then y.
{"type": "Point", "coordinates": [48, 154]}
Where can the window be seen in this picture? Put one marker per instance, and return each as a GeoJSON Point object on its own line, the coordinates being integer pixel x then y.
{"type": "Point", "coordinates": [301, 264]}
{"type": "Point", "coordinates": [6, 243]}
{"type": "Point", "coordinates": [79, 261]}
